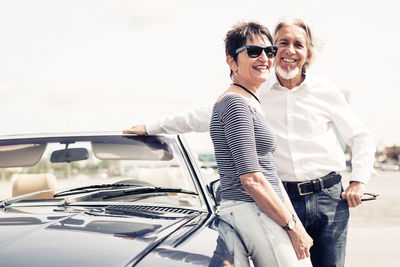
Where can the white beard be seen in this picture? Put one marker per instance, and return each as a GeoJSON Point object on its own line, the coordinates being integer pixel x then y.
{"type": "Point", "coordinates": [285, 74]}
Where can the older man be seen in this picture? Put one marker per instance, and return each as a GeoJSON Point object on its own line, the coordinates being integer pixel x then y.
{"type": "Point", "coordinates": [302, 109]}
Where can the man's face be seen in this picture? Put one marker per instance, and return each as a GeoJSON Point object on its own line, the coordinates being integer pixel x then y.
{"type": "Point", "coordinates": [292, 53]}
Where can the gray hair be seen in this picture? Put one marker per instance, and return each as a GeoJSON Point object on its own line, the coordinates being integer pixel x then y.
{"type": "Point", "coordinates": [302, 24]}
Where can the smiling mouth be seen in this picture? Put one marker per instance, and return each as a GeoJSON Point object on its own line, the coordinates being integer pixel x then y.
{"type": "Point", "coordinates": [265, 67]}
{"type": "Point", "coordinates": [288, 60]}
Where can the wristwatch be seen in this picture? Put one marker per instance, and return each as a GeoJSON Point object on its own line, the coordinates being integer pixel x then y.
{"type": "Point", "coordinates": [291, 225]}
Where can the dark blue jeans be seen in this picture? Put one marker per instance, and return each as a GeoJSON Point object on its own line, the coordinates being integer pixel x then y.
{"type": "Point", "coordinates": [325, 216]}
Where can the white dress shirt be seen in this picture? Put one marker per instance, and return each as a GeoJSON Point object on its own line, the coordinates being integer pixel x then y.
{"type": "Point", "coordinates": [302, 119]}
{"type": "Point", "coordinates": [197, 120]}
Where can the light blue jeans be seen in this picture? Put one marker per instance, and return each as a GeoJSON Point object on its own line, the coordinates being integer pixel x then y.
{"type": "Point", "coordinates": [248, 231]}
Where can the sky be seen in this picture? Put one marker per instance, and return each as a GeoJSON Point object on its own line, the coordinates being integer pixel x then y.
{"type": "Point", "coordinates": [91, 65]}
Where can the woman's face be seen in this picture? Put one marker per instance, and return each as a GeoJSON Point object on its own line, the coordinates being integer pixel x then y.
{"type": "Point", "coordinates": [254, 71]}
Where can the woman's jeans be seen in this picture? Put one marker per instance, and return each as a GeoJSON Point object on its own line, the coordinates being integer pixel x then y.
{"type": "Point", "coordinates": [249, 231]}
{"type": "Point", "coordinates": [325, 216]}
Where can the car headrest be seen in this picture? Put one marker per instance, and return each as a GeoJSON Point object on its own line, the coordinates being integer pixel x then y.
{"type": "Point", "coordinates": [29, 183]}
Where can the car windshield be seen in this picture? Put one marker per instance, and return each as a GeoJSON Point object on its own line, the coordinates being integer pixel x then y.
{"type": "Point", "coordinates": [99, 168]}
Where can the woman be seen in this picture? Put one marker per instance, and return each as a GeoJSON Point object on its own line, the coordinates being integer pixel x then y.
{"type": "Point", "coordinates": [254, 202]}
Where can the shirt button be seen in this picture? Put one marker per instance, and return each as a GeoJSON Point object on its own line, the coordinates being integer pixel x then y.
{"type": "Point", "coordinates": [289, 103]}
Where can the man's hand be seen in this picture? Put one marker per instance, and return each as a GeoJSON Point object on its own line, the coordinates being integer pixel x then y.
{"type": "Point", "coordinates": [136, 129]}
{"type": "Point", "coordinates": [353, 193]}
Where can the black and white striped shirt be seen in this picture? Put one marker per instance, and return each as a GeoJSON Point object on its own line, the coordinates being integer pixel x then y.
{"type": "Point", "coordinates": [243, 143]}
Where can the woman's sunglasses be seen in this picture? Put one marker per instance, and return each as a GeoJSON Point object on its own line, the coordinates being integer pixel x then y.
{"type": "Point", "coordinates": [255, 51]}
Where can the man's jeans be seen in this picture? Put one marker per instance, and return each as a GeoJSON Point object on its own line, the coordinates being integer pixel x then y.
{"type": "Point", "coordinates": [325, 216]}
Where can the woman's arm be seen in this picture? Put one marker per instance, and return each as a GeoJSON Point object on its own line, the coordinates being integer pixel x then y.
{"type": "Point", "coordinates": [300, 239]}
{"type": "Point", "coordinates": [265, 197]}
{"type": "Point", "coordinates": [268, 201]}
{"type": "Point", "coordinates": [237, 121]}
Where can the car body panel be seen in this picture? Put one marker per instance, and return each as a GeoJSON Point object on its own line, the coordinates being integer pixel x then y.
{"type": "Point", "coordinates": [88, 237]}
{"type": "Point", "coordinates": [157, 229]}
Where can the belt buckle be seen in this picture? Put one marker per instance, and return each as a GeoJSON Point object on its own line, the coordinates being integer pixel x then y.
{"type": "Point", "coordinates": [300, 191]}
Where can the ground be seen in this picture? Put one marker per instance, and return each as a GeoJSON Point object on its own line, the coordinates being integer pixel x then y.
{"type": "Point", "coordinates": [374, 228]}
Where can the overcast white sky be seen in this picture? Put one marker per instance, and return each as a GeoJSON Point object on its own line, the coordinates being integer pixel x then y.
{"type": "Point", "coordinates": [105, 65]}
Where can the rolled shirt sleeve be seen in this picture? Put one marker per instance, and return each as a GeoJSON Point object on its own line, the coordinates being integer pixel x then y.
{"type": "Point", "coordinates": [197, 120]}
{"type": "Point", "coordinates": [357, 136]}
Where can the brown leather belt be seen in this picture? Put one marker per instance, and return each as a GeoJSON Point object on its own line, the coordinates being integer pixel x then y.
{"type": "Point", "coordinates": [315, 185]}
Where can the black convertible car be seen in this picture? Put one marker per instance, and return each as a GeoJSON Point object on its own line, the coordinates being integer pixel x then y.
{"type": "Point", "coordinates": [105, 200]}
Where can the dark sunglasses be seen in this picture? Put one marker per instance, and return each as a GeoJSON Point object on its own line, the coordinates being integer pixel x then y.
{"type": "Point", "coordinates": [254, 51]}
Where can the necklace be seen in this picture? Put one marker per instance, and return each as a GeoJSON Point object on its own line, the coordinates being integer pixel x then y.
{"type": "Point", "coordinates": [248, 91]}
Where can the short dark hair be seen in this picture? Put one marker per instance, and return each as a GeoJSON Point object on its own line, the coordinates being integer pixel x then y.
{"type": "Point", "coordinates": [237, 36]}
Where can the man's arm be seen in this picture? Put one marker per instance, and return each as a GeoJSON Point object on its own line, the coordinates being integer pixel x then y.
{"type": "Point", "coordinates": [197, 120]}
{"type": "Point", "coordinates": [362, 146]}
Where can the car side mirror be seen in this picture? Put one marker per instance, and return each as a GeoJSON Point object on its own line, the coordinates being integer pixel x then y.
{"type": "Point", "coordinates": [215, 190]}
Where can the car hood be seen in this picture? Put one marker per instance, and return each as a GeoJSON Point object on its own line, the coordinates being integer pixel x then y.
{"type": "Point", "coordinates": [85, 236]}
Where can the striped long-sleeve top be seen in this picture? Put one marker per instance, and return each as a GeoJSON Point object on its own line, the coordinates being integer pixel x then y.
{"type": "Point", "coordinates": [243, 143]}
